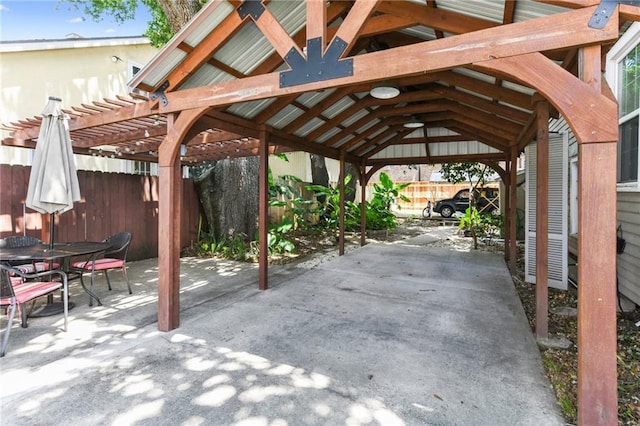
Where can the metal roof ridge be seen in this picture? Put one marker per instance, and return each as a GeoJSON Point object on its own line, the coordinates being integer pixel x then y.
{"type": "Point", "coordinates": [46, 44]}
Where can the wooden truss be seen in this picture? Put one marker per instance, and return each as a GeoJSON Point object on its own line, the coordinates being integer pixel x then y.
{"type": "Point", "coordinates": [494, 82]}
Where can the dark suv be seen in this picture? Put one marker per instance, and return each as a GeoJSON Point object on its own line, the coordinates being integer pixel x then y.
{"type": "Point", "coordinates": [487, 200]}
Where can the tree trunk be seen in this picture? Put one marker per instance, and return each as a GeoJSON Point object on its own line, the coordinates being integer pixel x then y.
{"type": "Point", "coordinates": [179, 12]}
{"type": "Point", "coordinates": [228, 193]}
{"type": "Point", "coordinates": [350, 169]}
{"type": "Point", "coordinates": [319, 173]}
{"type": "Point", "coordinates": [320, 176]}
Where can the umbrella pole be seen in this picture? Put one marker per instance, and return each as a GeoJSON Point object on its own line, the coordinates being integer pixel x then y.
{"type": "Point", "coordinates": [51, 230]}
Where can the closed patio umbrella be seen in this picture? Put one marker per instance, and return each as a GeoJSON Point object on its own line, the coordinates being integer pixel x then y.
{"type": "Point", "coordinates": [53, 183]}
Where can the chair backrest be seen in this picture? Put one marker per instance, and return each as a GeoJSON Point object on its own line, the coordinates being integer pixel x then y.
{"type": "Point", "coordinates": [19, 241]}
{"type": "Point", "coordinates": [119, 245]}
{"type": "Point", "coordinates": [6, 289]}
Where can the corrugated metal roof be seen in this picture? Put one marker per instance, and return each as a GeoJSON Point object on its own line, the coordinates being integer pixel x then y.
{"type": "Point", "coordinates": [475, 102]}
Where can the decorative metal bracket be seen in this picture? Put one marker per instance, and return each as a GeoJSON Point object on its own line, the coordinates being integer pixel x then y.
{"type": "Point", "coordinates": [604, 11]}
{"type": "Point", "coordinates": [251, 7]}
{"type": "Point", "coordinates": [316, 67]}
{"type": "Point", "coordinates": [160, 94]}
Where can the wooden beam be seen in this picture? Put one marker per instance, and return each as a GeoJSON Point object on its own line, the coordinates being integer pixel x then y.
{"type": "Point", "coordinates": [435, 159]}
{"type": "Point", "coordinates": [389, 142]}
{"type": "Point", "coordinates": [276, 34]}
{"type": "Point", "coordinates": [263, 209]}
{"type": "Point", "coordinates": [438, 19]}
{"type": "Point", "coordinates": [169, 211]}
{"type": "Point", "coordinates": [300, 144]}
{"type": "Point", "coordinates": [354, 22]}
{"type": "Point", "coordinates": [505, 203]}
{"type": "Point", "coordinates": [513, 206]}
{"type": "Point", "coordinates": [341, 177]}
{"type": "Point", "coordinates": [597, 342]}
{"type": "Point", "coordinates": [588, 119]}
{"type": "Point", "coordinates": [542, 221]}
{"type": "Point", "coordinates": [629, 12]}
{"type": "Point", "coordinates": [363, 204]}
{"type": "Point", "coordinates": [201, 53]}
{"type": "Point", "coordinates": [317, 20]}
{"type": "Point", "coordinates": [561, 30]}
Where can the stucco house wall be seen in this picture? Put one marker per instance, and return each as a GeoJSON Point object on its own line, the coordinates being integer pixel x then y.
{"type": "Point", "coordinates": [76, 70]}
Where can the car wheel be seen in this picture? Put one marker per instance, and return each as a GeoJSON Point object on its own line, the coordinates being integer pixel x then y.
{"type": "Point", "coordinates": [446, 211]}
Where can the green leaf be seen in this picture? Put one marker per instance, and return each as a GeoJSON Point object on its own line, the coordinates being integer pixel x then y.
{"type": "Point", "coordinates": [386, 181]}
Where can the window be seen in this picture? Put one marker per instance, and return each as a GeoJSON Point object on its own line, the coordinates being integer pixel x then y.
{"type": "Point", "coordinates": [133, 70]}
{"type": "Point", "coordinates": [623, 75]}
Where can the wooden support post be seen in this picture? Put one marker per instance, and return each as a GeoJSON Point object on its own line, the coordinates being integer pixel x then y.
{"type": "Point", "coordinates": [169, 213]}
{"type": "Point", "coordinates": [542, 221]}
{"type": "Point", "coordinates": [341, 218]}
{"type": "Point", "coordinates": [263, 200]}
{"type": "Point", "coordinates": [363, 205]}
{"type": "Point", "coordinates": [597, 379]}
{"type": "Point", "coordinates": [513, 206]}
{"type": "Point", "coordinates": [507, 210]}
{"type": "Point", "coordinates": [169, 217]}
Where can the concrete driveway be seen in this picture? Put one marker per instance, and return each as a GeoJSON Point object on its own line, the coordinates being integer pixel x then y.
{"type": "Point", "coordinates": [390, 334]}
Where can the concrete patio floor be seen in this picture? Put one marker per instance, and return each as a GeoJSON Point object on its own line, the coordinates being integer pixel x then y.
{"type": "Point", "coordinates": [397, 333]}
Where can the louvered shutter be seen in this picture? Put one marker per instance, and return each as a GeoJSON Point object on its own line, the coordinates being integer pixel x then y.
{"type": "Point", "coordinates": [558, 211]}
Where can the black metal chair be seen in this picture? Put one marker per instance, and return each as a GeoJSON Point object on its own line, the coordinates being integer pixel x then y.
{"type": "Point", "coordinates": [115, 257]}
{"type": "Point", "coordinates": [15, 295]}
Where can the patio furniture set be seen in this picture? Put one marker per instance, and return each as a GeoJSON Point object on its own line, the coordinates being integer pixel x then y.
{"type": "Point", "coordinates": [30, 269]}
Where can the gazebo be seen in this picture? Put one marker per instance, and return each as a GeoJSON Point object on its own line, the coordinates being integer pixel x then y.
{"type": "Point", "coordinates": [381, 82]}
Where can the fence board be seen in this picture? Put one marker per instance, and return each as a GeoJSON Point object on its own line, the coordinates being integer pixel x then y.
{"type": "Point", "coordinates": [111, 202]}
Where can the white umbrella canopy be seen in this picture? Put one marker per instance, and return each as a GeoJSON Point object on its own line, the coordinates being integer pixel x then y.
{"type": "Point", "coordinates": [53, 182]}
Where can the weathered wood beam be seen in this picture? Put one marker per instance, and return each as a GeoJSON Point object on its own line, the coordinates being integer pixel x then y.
{"type": "Point", "coordinates": [573, 4]}
{"type": "Point", "coordinates": [354, 22]}
{"type": "Point", "coordinates": [589, 120]}
{"type": "Point", "coordinates": [500, 110]}
{"type": "Point", "coordinates": [629, 12]}
{"type": "Point", "coordinates": [439, 139]}
{"type": "Point", "coordinates": [263, 209]}
{"type": "Point", "coordinates": [432, 3]}
{"type": "Point", "coordinates": [201, 54]}
{"type": "Point", "coordinates": [597, 342]}
{"type": "Point", "coordinates": [438, 19]}
{"type": "Point", "coordinates": [497, 93]}
{"type": "Point", "coordinates": [317, 27]}
{"type": "Point", "coordinates": [357, 138]}
{"type": "Point", "coordinates": [393, 141]}
{"type": "Point", "coordinates": [561, 30]}
{"type": "Point", "coordinates": [341, 203]}
{"type": "Point", "coordinates": [334, 11]}
{"type": "Point", "coordinates": [435, 159]}
{"type": "Point", "coordinates": [299, 144]}
{"type": "Point", "coordinates": [317, 109]}
{"type": "Point", "coordinates": [390, 132]}
{"type": "Point", "coordinates": [276, 34]}
{"type": "Point", "coordinates": [274, 108]}
{"type": "Point", "coordinates": [513, 206]}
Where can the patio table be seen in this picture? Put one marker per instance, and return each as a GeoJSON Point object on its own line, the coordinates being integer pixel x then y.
{"type": "Point", "coordinates": [61, 252]}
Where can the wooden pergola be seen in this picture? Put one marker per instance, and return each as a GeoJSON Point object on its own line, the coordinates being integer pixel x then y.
{"type": "Point", "coordinates": [251, 77]}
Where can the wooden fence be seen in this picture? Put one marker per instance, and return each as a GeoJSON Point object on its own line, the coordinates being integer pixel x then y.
{"type": "Point", "coordinates": [421, 192]}
{"type": "Point", "coordinates": [111, 202]}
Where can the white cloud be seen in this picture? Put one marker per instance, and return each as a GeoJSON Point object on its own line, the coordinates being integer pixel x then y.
{"type": "Point", "coordinates": [76, 20]}
{"type": "Point", "coordinates": [4, 8]}
{"type": "Point", "coordinates": [110, 30]}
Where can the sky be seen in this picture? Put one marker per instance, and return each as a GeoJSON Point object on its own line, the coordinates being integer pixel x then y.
{"type": "Point", "coordinates": [53, 19]}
